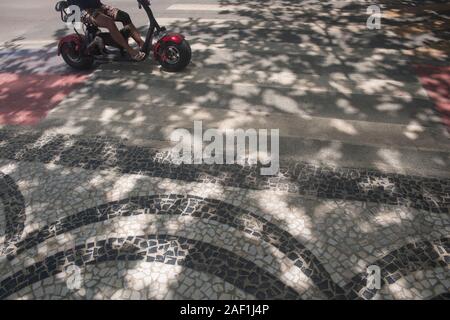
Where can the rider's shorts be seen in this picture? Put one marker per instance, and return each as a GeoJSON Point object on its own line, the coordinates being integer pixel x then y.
{"type": "Point", "coordinates": [88, 16]}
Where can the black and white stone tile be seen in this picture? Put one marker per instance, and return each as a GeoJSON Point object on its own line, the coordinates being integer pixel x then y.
{"type": "Point", "coordinates": [167, 249]}
{"type": "Point", "coordinates": [13, 209]}
{"type": "Point", "coordinates": [427, 284]}
{"type": "Point", "coordinates": [244, 245]}
{"type": "Point", "coordinates": [300, 242]}
{"type": "Point", "coordinates": [133, 280]}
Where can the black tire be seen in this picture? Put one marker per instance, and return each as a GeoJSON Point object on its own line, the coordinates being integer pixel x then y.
{"type": "Point", "coordinates": [184, 52]}
{"type": "Point", "coordinates": [76, 59]}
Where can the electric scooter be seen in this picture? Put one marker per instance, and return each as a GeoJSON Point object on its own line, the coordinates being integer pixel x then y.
{"type": "Point", "coordinates": [171, 50]}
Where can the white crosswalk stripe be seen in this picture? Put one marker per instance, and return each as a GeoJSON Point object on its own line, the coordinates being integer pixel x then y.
{"type": "Point", "coordinates": [201, 7]}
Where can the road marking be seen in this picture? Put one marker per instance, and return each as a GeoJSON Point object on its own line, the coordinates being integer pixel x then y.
{"type": "Point", "coordinates": [401, 10]}
{"type": "Point", "coordinates": [242, 7]}
{"type": "Point", "coordinates": [200, 20]}
{"type": "Point", "coordinates": [27, 44]}
{"type": "Point", "coordinates": [204, 7]}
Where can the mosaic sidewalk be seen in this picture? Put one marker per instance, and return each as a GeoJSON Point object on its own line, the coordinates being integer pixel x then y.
{"type": "Point", "coordinates": [135, 225]}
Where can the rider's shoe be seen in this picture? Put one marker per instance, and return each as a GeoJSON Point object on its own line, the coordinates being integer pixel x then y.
{"type": "Point", "coordinates": [138, 56]}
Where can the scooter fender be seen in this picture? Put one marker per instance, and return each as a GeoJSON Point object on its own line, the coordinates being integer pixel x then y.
{"type": "Point", "coordinates": [77, 39]}
{"type": "Point", "coordinates": [167, 37]}
{"type": "Point", "coordinates": [172, 37]}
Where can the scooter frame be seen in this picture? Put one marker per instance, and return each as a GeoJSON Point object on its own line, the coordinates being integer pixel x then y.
{"type": "Point", "coordinates": [163, 34]}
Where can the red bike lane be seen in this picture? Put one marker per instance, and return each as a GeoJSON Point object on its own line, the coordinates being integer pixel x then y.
{"type": "Point", "coordinates": [33, 82]}
{"type": "Point", "coordinates": [436, 81]}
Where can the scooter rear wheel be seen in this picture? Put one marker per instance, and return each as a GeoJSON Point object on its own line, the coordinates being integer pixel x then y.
{"type": "Point", "coordinates": [75, 58]}
{"type": "Point", "coordinates": [175, 57]}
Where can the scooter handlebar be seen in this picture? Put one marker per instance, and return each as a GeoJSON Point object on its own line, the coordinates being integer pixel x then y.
{"type": "Point", "coordinates": [61, 5]}
{"type": "Point", "coordinates": [143, 2]}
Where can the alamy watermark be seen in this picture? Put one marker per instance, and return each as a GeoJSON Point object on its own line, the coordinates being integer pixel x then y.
{"type": "Point", "coordinates": [230, 146]}
{"type": "Point", "coordinates": [73, 17]}
{"type": "Point", "coordinates": [373, 277]}
{"type": "Point", "coordinates": [73, 277]}
{"type": "Point", "coordinates": [374, 20]}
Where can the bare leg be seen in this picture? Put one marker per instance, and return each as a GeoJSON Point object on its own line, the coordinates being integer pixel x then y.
{"type": "Point", "coordinates": [136, 35]}
{"type": "Point", "coordinates": [106, 22]}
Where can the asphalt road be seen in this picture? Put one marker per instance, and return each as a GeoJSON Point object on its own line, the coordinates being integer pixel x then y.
{"type": "Point", "coordinates": [340, 94]}
{"type": "Point", "coordinates": [37, 20]}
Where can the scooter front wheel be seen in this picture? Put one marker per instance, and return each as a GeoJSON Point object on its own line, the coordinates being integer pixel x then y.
{"type": "Point", "coordinates": [75, 58]}
{"type": "Point", "coordinates": [175, 56]}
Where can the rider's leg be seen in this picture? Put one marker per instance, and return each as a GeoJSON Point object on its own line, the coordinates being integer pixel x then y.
{"type": "Point", "coordinates": [124, 17]}
{"type": "Point", "coordinates": [104, 21]}
{"type": "Point", "coordinates": [136, 35]}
